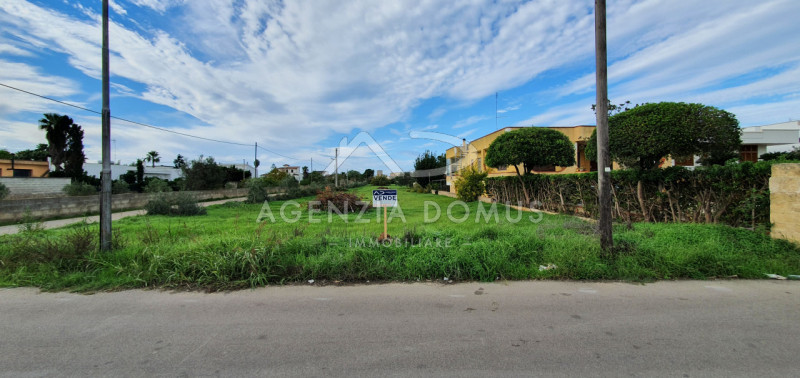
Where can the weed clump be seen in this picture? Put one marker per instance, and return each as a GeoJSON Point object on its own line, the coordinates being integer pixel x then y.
{"type": "Point", "coordinates": [79, 188]}
{"type": "Point", "coordinates": [332, 200]}
{"type": "Point", "coordinates": [180, 204]}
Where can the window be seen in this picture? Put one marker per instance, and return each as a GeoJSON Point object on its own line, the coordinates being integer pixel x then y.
{"type": "Point", "coordinates": [749, 152]}
{"type": "Point", "coordinates": [23, 172]}
{"type": "Point", "coordinates": [502, 167]}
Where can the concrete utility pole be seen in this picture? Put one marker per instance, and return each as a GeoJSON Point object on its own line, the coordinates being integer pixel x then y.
{"type": "Point", "coordinates": [336, 169]}
{"type": "Point", "coordinates": [603, 160]}
{"type": "Point", "coordinates": [105, 174]}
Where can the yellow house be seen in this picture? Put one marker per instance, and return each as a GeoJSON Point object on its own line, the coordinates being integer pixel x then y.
{"type": "Point", "coordinates": [23, 168]}
{"type": "Point", "coordinates": [474, 154]}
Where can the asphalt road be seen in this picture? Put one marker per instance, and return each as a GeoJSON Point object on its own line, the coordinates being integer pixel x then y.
{"type": "Point", "coordinates": [679, 329]}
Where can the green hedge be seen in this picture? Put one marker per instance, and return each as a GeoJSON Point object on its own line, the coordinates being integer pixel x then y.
{"type": "Point", "coordinates": [736, 194]}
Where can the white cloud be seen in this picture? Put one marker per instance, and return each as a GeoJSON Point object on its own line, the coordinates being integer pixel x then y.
{"type": "Point", "coordinates": [469, 121]}
{"type": "Point", "coordinates": [117, 8]}
{"type": "Point", "coordinates": [157, 5]}
{"type": "Point", "coordinates": [508, 109]}
{"type": "Point", "coordinates": [291, 74]}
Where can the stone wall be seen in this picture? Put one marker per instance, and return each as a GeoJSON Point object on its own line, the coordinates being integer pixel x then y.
{"type": "Point", "coordinates": [44, 208]}
{"type": "Point", "coordinates": [34, 187]}
{"type": "Point", "coordinates": [784, 197]}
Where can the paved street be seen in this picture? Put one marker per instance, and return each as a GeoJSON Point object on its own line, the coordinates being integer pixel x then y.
{"type": "Point", "coordinates": [13, 229]}
{"type": "Point", "coordinates": [680, 329]}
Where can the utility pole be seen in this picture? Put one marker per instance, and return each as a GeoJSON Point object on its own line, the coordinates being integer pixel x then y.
{"type": "Point", "coordinates": [255, 159]}
{"type": "Point", "coordinates": [336, 169]}
{"type": "Point", "coordinates": [603, 160]}
{"type": "Point", "coordinates": [105, 174]}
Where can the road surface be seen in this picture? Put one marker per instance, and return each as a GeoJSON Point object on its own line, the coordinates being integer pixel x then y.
{"type": "Point", "coordinates": [679, 329]}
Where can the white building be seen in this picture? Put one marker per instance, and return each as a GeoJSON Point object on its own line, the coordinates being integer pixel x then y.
{"type": "Point", "coordinates": [758, 140]}
{"type": "Point", "coordinates": [292, 171]}
{"type": "Point", "coordinates": [164, 173]}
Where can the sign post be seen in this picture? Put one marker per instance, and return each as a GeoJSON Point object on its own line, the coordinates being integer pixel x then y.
{"type": "Point", "coordinates": [384, 198]}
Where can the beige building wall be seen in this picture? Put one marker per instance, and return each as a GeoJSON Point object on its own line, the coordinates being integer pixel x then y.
{"type": "Point", "coordinates": [474, 154]}
{"type": "Point", "coordinates": [35, 168]}
{"type": "Point", "coordinates": [784, 201]}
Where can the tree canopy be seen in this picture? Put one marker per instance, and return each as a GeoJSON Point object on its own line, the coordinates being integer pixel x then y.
{"type": "Point", "coordinates": [531, 147]}
{"type": "Point", "coordinates": [65, 144]}
{"type": "Point", "coordinates": [152, 157]}
{"type": "Point", "coordinates": [203, 174]}
{"type": "Point", "coordinates": [641, 136]}
{"type": "Point", "coordinates": [428, 161]}
{"type": "Point", "coordinates": [37, 154]}
{"type": "Point", "coordinates": [179, 162]}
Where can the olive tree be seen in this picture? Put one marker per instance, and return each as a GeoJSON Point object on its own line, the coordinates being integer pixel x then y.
{"type": "Point", "coordinates": [530, 147]}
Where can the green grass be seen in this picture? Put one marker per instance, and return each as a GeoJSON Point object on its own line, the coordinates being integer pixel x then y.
{"type": "Point", "coordinates": [228, 249]}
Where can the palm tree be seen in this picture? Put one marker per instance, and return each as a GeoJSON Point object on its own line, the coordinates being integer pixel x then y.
{"type": "Point", "coordinates": [56, 127]}
{"type": "Point", "coordinates": [152, 157]}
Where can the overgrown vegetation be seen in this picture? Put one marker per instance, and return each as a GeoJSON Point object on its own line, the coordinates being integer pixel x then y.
{"type": "Point", "coordinates": [157, 185]}
{"type": "Point", "coordinates": [204, 174]}
{"type": "Point", "coordinates": [380, 180]}
{"type": "Point", "coordinates": [470, 184]}
{"type": "Point", "coordinates": [786, 156]}
{"type": "Point", "coordinates": [736, 194]}
{"type": "Point", "coordinates": [339, 202]}
{"type": "Point", "coordinates": [79, 188]}
{"type": "Point", "coordinates": [177, 204]}
{"type": "Point", "coordinates": [4, 192]}
{"type": "Point", "coordinates": [228, 249]}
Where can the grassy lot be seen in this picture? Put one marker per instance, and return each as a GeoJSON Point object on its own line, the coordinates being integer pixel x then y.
{"type": "Point", "coordinates": [228, 248]}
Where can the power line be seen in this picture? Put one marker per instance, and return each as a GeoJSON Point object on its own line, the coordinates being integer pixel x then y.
{"type": "Point", "coordinates": [144, 124]}
{"type": "Point", "coordinates": [123, 119]}
{"type": "Point", "coordinates": [281, 155]}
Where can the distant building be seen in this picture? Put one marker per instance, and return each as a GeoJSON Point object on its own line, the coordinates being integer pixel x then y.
{"type": "Point", "coordinates": [23, 168]}
{"type": "Point", "coordinates": [292, 171]}
{"type": "Point", "coordinates": [164, 173]}
{"type": "Point", "coordinates": [758, 140]}
{"type": "Point", "coordinates": [755, 142]}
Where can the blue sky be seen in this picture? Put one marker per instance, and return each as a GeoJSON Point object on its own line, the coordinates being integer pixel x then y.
{"type": "Point", "coordinates": [298, 76]}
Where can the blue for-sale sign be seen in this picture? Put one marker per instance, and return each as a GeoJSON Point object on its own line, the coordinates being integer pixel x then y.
{"type": "Point", "coordinates": [384, 198]}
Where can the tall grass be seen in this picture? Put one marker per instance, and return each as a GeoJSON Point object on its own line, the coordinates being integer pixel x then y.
{"type": "Point", "coordinates": [228, 249]}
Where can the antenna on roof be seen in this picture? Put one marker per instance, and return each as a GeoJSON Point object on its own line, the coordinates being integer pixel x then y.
{"type": "Point", "coordinates": [496, 112]}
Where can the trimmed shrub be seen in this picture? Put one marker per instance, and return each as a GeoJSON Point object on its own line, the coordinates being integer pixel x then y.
{"type": "Point", "coordinates": [156, 185]}
{"type": "Point", "coordinates": [380, 180]}
{"type": "Point", "coordinates": [119, 187]}
{"type": "Point", "coordinates": [77, 188]}
{"type": "Point", "coordinates": [178, 204]}
{"type": "Point", "coordinates": [736, 194]}
{"type": "Point", "coordinates": [470, 185]}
